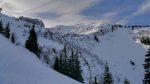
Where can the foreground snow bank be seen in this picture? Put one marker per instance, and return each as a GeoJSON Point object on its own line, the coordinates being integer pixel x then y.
{"type": "Point", "coordinates": [19, 66]}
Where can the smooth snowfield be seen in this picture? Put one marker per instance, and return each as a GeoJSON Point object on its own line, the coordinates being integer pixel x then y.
{"type": "Point", "coordinates": [19, 66]}
{"type": "Point", "coordinates": [118, 49]}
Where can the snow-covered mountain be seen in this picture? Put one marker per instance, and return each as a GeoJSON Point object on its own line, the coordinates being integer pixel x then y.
{"type": "Point", "coordinates": [96, 43]}
{"type": "Point", "coordinates": [118, 48]}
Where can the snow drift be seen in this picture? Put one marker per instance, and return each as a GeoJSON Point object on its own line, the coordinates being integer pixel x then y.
{"type": "Point", "coordinates": [19, 66]}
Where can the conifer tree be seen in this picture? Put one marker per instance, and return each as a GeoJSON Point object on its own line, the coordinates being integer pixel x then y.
{"type": "Point", "coordinates": [68, 65]}
{"type": "Point", "coordinates": [107, 79]}
{"type": "Point", "coordinates": [145, 40]}
{"type": "Point", "coordinates": [126, 81]}
{"type": "Point", "coordinates": [13, 38]}
{"type": "Point", "coordinates": [77, 69]}
{"type": "Point", "coordinates": [65, 61]}
{"type": "Point", "coordinates": [31, 43]}
{"type": "Point", "coordinates": [147, 68]}
{"type": "Point", "coordinates": [95, 81]}
{"type": "Point", "coordinates": [56, 64]}
{"type": "Point", "coordinates": [71, 65]}
{"type": "Point", "coordinates": [59, 64]}
{"type": "Point", "coordinates": [1, 27]}
{"type": "Point", "coordinates": [7, 31]}
{"type": "Point", "coordinates": [96, 38]}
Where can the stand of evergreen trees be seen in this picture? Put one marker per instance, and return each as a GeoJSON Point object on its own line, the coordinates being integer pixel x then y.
{"type": "Point", "coordinates": [1, 28]}
{"type": "Point", "coordinates": [95, 81]}
{"type": "Point", "coordinates": [145, 40]}
{"type": "Point", "coordinates": [31, 43]}
{"type": "Point", "coordinates": [107, 76]}
{"type": "Point", "coordinates": [126, 81]}
{"type": "Point", "coordinates": [69, 65]}
{"type": "Point", "coordinates": [147, 68]}
{"type": "Point", "coordinates": [5, 30]}
{"type": "Point", "coordinates": [13, 38]}
{"type": "Point", "coordinates": [96, 38]}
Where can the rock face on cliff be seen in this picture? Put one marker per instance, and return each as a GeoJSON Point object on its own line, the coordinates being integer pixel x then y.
{"type": "Point", "coordinates": [1, 10]}
{"type": "Point", "coordinates": [32, 21]}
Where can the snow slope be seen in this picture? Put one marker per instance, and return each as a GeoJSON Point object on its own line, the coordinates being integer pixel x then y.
{"type": "Point", "coordinates": [84, 29]}
{"type": "Point", "coordinates": [118, 49]}
{"type": "Point", "coordinates": [19, 66]}
{"type": "Point", "coordinates": [21, 32]}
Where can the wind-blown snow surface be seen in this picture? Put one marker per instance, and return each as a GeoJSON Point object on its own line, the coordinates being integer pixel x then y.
{"type": "Point", "coordinates": [19, 66]}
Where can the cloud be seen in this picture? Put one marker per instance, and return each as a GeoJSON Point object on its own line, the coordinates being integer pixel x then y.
{"type": "Point", "coordinates": [70, 12]}
{"type": "Point", "coordinates": [47, 15]}
{"type": "Point", "coordinates": [8, 6]}
{"type": "Point", "coordinates": [50, 11]}
{"type": "Point", "coordinates": [142, 9]}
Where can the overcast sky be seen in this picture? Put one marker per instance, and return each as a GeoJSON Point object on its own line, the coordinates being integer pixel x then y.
{"type": "Point", "coordinates": [70, 12]}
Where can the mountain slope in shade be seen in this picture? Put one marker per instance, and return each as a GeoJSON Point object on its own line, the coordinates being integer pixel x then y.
{"type": "Point", "coordinates": [19, 66]}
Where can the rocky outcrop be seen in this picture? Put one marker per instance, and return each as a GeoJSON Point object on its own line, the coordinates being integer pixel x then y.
{"type": "Point", "coordinates": [1, 10]}
{"type": "Point", "coordinates": [32, 21]}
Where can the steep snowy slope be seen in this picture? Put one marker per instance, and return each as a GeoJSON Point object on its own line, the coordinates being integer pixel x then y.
{"type": "Point", "coordinates": [84, 29]}
{"type": "Point", "coordinates": [119, 49]}
{"type": "Point", "coordinates": [19, 66]}
{"type": "Point", "coordinates": [21, 29]}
